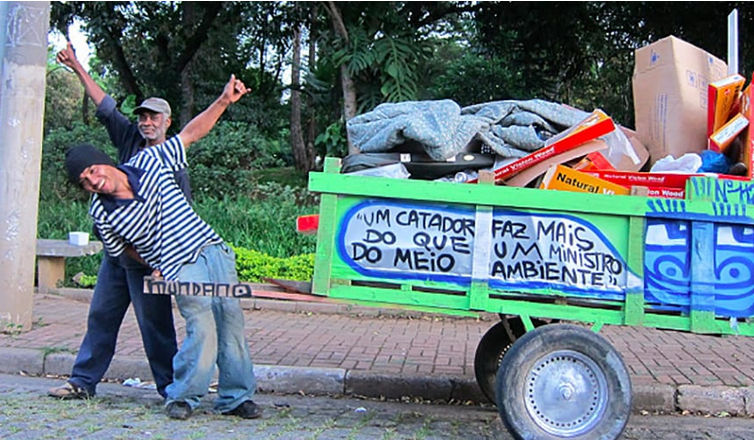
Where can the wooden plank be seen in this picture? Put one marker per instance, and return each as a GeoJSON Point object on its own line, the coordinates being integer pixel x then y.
{"type": "Point", "coordinates": [634, 304]}
{"type": "Point", "coordinates": [702, 290]}
{"type": "Point", "coordinates": [61, 248]}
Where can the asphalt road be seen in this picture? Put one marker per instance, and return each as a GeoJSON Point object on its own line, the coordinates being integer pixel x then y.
{"type": "Point", "coordinates": [121, 412]}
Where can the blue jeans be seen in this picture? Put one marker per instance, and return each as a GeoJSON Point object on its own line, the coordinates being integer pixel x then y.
{"type": "Point", "coordinates": [214, 336]}
{"type": "Point", "coordinates": [120, 283]}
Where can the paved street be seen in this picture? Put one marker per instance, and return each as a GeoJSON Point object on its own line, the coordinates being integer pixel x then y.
{"type": "Point", "coordinates": [331, 348]}
{"type": "Point", "coordinates": [126, 413]}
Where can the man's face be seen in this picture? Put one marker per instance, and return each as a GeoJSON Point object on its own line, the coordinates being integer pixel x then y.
{"type": "Point", "coordinates": [153, 127]}
{"type": "Point", "coordinates": [98, 179]}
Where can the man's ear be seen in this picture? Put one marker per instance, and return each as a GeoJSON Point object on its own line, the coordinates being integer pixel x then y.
{"type": "Point", "coordinates": [168, 121]}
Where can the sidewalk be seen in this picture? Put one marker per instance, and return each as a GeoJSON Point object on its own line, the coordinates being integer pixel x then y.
{"type": "Point", "coordinates": [323, 348]}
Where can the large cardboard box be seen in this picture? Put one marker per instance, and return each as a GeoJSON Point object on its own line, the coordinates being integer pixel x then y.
{"type": "Point", "coordinates": [670, 85]}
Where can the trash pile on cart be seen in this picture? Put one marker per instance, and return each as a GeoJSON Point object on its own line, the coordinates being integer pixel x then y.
{"type": "Point", "coordinates": [692, 118]}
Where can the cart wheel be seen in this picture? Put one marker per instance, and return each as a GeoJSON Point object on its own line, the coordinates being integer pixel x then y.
{"type": "Point", "coordinates": [563, 382]}
{"type": "Point", "coordinates": [493, 346]}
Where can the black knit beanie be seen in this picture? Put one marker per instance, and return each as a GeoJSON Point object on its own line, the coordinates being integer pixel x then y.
{"type": "Point", "coordinates": [81, 157]}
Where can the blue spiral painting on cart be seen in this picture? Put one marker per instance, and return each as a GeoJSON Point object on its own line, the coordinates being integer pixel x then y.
{"type": "Point", "coordinates": [668, 267]}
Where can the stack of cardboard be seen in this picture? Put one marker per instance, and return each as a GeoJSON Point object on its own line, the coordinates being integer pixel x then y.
{"type": "Point", "coordinates": [594, 143]}
{"type": "Point", "coordinates": [684, 103]}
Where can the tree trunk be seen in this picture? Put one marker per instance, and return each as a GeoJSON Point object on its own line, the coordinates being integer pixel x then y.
{"type": "Point", "coordinates": [187, 93]}
{"type": "Point", "coordinates": [300, 158]}
{"type": "Point", "coordinates": [347, 84]}
{"type": "Point", "coordinates": [312, 121]}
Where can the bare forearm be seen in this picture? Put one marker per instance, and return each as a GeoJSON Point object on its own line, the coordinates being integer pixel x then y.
{"type": "Point", "coordinates": [131, 252]}
{"type": "Point", "coordinates": [67, 57]}
{"type": "Point", "coordinates": [202, 123]}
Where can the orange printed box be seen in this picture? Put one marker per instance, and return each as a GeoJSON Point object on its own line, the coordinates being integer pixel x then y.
{"type": "Point", "coordinates": [722, 138]}
{"type": "Point", "coordinates": [563, 178]}
{"type": "Point", "coordinates": [722, 99]}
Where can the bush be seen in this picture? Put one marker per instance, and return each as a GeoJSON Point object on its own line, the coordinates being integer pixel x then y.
{"type": "Point", "coordinates": [264, 220]}
{"type": "Point", "coordinates": [54, 180]}
{"type": "Point", "coordinates": [223, 163]}
{"type": "Point", "coordinates": [254, 266]}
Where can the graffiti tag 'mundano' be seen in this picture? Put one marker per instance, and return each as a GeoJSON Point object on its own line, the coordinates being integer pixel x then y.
{"type": "Point", "coordinates": [437, 243]}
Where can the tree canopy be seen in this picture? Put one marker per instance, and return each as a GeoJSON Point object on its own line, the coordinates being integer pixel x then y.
{"type": "Point", "coordinates": [353, 56]}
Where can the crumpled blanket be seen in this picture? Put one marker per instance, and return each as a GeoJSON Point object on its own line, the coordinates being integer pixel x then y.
{"type": "Point", "coordinates": [510, 128]}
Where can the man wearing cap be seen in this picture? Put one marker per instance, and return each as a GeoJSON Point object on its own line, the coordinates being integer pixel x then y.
{"type": "Point", "coordinates": [139, 210]}
{"type": "Point", "coordinates": [120, 279]}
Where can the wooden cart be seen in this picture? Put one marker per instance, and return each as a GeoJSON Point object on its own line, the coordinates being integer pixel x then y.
{"type": "Point", "coordinates": [547, 262]}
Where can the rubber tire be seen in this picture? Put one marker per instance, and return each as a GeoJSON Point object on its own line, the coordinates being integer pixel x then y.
{"type": "Point", "coordinates": [523, 357]}
{"type": "Point", "coordinates": [492, 348]}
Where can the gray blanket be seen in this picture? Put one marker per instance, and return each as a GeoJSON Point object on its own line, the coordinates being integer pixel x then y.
{"type": "Point", "coordinates": [444, 129]}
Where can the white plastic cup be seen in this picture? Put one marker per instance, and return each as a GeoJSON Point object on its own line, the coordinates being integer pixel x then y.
{"type": "Point", "coordinates": [78, 238]}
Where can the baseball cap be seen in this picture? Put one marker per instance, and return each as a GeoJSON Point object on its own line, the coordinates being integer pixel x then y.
{"type": "Point", "coordinates": [157, 105]}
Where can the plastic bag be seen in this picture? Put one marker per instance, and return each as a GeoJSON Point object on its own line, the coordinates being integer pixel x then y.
{"type": "Point", "coordinates": [688, 163]}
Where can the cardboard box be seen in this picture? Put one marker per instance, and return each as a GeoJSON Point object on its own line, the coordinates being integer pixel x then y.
{"type": "Point", "coordinates": [747, 108]}
{"type": "Point", "coordinates": [562, 178]}
{"type": "Point", "coordinates": [722, 138]}
{"type": "Point", "coordinates": [531, 173]}
{"type": "Point", "coordinates": [670, 86]}
{"type": "Point", "coordinates": [722, 99]}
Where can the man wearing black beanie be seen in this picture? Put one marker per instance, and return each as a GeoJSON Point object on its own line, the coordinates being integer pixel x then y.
{"type": "Point", "coordinates": [119, 280]}
{"type": "Point", "coordinates": [83, 156]}
{"type": "Point", "coordinates": [127, 208]}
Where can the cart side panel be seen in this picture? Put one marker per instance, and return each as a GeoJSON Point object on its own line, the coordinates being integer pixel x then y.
{"type": "Point", "coordinates": [682, 264]}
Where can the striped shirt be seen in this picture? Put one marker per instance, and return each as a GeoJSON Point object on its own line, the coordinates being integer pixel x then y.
{"type": "Point", "coordinates": [158, 221]}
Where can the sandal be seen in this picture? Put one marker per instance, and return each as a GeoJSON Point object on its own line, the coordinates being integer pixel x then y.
{"type": "Point", "coordinates": [68, 391]}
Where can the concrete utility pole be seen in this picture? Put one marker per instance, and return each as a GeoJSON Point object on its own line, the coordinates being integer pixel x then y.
{"type": "Point", "coordinates": [23, 53]}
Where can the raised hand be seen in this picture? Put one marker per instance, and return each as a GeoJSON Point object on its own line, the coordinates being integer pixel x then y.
{"type": "Point", "coordinates": [67, 56]}
{"type": "Point", "coordinates": [235, 89]}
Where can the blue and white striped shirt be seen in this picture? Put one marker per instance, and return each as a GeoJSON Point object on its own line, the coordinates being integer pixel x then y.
{"type": "Point", "coordinates": [158, 222]}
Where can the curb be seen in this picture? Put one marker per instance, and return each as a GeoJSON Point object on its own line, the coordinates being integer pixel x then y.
{"type": "Point", "coordinates": [736, 401]}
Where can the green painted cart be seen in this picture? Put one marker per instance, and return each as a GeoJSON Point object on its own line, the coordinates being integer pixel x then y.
{"type": "Point", "coordinates": [544, 261]}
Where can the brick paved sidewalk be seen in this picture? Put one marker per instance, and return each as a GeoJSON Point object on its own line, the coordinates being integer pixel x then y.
{"type": "Point", "coordinates": [334, 349]}
{"type": "Point", "coordinates": [422, 344]}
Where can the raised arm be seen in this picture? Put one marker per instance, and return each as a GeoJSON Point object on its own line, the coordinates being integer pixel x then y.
{"type": "Point", "coordinates": [67, 57]}
{"type": "Point", "coordinates": [202, 123]}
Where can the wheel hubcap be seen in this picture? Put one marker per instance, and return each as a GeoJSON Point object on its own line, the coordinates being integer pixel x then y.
{"type": "Point", "coordinates": [566, 393]}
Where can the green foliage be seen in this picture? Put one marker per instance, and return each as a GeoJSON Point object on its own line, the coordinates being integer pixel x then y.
{"type": "Point", "coordinates": [223, 163]}
{"type": "Point", "coordinates": [333, 141]}
{"type": "Point", "coordinates": [493, 77]}
{"type": "Point", "coordinates": [388, 61]}
{"type": "Point", "coordinates": [54, 182]}
{"type": "Point", "coordinates": [87, 281]}
{"type": "Point", "coordinates": [263, 220]}
{"type": "Point", "coordinates": [63, 97]}
{"type": "Point", "coordinates": [254, 266]}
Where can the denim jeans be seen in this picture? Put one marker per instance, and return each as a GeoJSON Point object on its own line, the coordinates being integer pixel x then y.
{"type": "Point", "coordinates": [120, 283]}
{"type": "Point", "coordinates": [214, 336]}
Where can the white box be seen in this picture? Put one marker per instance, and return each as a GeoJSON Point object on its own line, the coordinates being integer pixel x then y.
{"type": "Point", "coordinates": [78, 238]}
